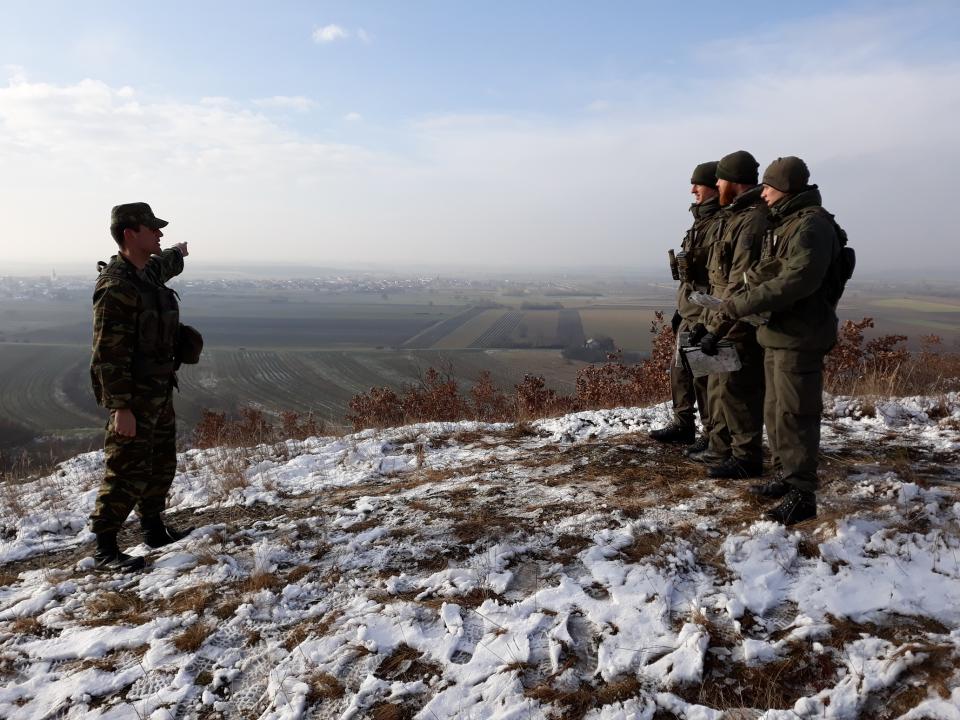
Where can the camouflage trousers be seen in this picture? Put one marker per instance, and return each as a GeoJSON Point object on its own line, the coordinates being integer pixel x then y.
{"type": "Point", "coordinates": [689, 393]}
{"type": "Point", "coordinates": [140, 469]}
{"type": "Point", "coordinates": [735, 400]}
{"type": "Point", "coordinates": [792, 412]}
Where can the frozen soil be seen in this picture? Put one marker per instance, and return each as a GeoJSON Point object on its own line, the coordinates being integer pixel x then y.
{"type": "Point", "coordinates": [568, 568]}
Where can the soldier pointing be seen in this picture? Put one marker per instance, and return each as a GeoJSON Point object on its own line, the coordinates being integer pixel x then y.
{"type": "Point", "coordinates": [136, 329]}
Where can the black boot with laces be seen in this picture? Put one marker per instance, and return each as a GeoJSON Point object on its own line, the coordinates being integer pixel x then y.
{"type": "Point", "coordinates": [795, 507]}
{"type": "Point", "coordinates": [674, 433]}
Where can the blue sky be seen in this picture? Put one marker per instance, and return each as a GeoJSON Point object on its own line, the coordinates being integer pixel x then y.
{"type": "Point", "coordinates": [389, 131]}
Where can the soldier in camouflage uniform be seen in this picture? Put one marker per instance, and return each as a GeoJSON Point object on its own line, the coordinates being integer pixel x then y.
{"type": "Point", "coordinates": [689, 392]}
{"type": "Point", "coordinates": [135, 326]}
{"type": "Point", "coordinates": [796, 281]}
{"type": "Point", "coordinates": [735, 398]}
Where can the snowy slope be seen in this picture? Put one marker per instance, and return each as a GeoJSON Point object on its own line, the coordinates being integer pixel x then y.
{"type": "Point", "coordinates": [565, 569]}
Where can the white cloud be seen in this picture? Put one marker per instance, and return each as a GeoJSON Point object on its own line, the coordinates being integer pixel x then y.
{"type": "Point", "coordinates": [364, 36]}
{"type": "Point", "coordinates": [606, 188]}
{"type": "Point", "coordinates": [329, 33]}
{"type": "Point", "coordinates": [353, 117]}
{"type": "Point", "coordinates": [286, 102]}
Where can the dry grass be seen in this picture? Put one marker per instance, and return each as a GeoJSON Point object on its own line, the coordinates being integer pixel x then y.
{"type": "Point", "coordinates": [298, 573]}
{"type": "Point", "coordinates": [192, 638]}
{"type": "Point", "coordinates": [323, 686]}
{"type": "Point", "coordinates": [774, 685]}
{"type": "Point", "coordinates": [8, 578]}
{"type": "Point", "coordinates": [575, 704]}
{"type": "Point", "coordinates": [261, 580]}
{"type": "Point", "coordinates": [226, 608]}
{"type": "Point", "coordinates": [406, 664]}
{"type": "Point", "coordinates": [194, 599]}
{"type": "Point", "coordinates": [390, 711]}
{"type": "Point", "coordinates": [28, 625]}
{"type": "Point", "coordinates": [114, 607]}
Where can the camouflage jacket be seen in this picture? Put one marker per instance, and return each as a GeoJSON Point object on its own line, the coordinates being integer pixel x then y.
{"type": "Point", "coordinates": [135, 324]}
{"type": "Point", "coordinates": [737, 248]}
{"type": "Point", "coordinates": [790, 281]}
{"type": "Point", "coordinates": [696, 244]}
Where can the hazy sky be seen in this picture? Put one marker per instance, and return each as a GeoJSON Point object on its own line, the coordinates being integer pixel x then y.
{"type": "Point", "coordinates": [510, 133]}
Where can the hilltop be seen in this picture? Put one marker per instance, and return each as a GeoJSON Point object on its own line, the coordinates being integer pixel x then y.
{"type": "Point", "coordinates": [563, 568]}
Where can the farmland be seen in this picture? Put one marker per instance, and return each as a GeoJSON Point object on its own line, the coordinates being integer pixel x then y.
{"type": "Point", "coordinates": [307, 350]}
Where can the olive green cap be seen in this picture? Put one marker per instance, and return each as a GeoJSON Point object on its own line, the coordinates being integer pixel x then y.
{"type": "Point", "coordinates": [138, 213]}
{"type": "Point", "coordinates": [705, 174]}
{"type": "Point", "coordinates": [787, 174]}
{"type": "Point", "coordinates": [738, 167]}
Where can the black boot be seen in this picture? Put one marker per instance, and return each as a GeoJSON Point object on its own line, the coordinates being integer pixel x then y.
{"type": "Point", "coordinates": [773, 489]}
{"type": "Point", "coordinates": [737, 469]}
{"type": "Point", "coordinates": [674, 433]}
{"type": "Point", "coordinates": [109, 557]}
{"type": "Point", "coordinates": [698, 446]}
{"type": "Point", "coordinates": [156, 534]}
{"type": "Point", "coordinates": [796, 506]}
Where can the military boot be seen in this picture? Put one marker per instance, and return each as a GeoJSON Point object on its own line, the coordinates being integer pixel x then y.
{"type": "Point", "coordinates": [109, 557]}
{"type": "Point", "coordinates": [674, 433]}
{"type": "Point", "coordinates": [698, 446]}
{"type": "Point", "coordinates": [736, 469]}
{"type": "Point", "coordinates": [773, 489]}
{"type": "Point", "coordinates": [156, 534]}
{"type": "Point", "coordinates": [796, 506]}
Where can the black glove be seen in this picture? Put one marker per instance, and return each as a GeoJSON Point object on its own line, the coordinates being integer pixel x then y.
{"type": "Point", "coordinates": [675, 321]}
{"type": "Point", "coordinates": [696, 333]}
{"type": "Point", "coordinates": [708, 345]}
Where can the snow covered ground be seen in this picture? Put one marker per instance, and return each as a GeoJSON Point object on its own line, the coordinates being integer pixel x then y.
{"type": "Point", "coordinates": [566, 569]}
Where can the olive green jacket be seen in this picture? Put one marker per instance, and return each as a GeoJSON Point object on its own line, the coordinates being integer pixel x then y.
{"type": "Point", "coordinates": [790, 280]}
{"type": "Point", "coordinates": [696, 244]}
{"type": "Point", "coordinates": [739, 242]}
{"type": "Point", "coordinates": [135, 322]}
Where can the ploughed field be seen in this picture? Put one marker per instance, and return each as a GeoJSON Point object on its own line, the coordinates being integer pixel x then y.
{"type": "Point", "coordinates": [312, 352]}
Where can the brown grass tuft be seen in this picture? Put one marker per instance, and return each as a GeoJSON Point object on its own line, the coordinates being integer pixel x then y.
{"type": "Point", "coordinates": [260, 580]}
{"type": "Point", "coordinates": [227, 608]}
{"type": "Point", "coordinates": [28, 625]}
{"type": "Point", "coordinates": [192, 638]}
{"type": "Point", "coordinates": [194, 599]}
{"type": "Point", "coordinates": [575, 704]}
{"type": "Point", "coordinates": [298, 573]}
{"type": "Point", "coordinates": [323, 686]}
{"type": "Point", "coordinates": [406, 664]}
{"type": "Point", "coordinates": [114, 607]}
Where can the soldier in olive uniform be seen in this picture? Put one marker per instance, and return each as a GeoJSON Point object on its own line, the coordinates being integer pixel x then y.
{"type": "Point", "coordinates": [689, 392]}
{"type": "Point", "coordinates": [796, 282]}
{"type": "Point", "coordinates": [135, 326]}
{"type": "Point", "coordinates": [735, 398]}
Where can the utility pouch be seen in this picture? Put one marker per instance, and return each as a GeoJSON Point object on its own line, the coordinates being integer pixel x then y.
{"type": "Point", "coordinates": [674, 269]}
{"type": "Point", "coordinates": [189, 346]}
{"type": "Point", "coordinates": [683, 267]}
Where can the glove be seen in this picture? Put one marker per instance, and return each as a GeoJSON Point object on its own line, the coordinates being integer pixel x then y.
{"type": "Point", "coordinates": [726, 309]}
{"type": "Point", "coordinates": [708, 345]}
{"type": "Point", "coordinates": [696, 333]}
{"type": "Point", "coordinates": [675, 321]}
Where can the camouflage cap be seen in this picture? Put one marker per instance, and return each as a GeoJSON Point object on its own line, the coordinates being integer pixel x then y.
{"type": "Point", "coordinates": [138, 213]}
{"type": "Point", "coordinates": [705, 174]}
{"type": "Point", "coordinates": [738, 167]}
{"type": "Point", "coordinates": [787, 174]}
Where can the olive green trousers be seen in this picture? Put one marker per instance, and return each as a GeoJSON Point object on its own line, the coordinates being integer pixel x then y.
{"type": "Point", "coordinates": [792, 410]}
{"type": "Point", "coordinates": [735, 400]}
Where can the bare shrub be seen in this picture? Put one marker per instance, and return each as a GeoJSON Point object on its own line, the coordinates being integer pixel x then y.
{"type": "Point", "coordinates": [884, 366]}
